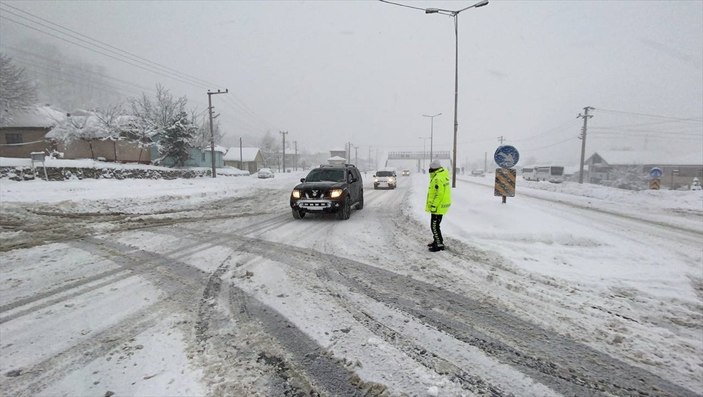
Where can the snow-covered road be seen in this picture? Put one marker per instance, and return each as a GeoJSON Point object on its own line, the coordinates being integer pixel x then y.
{"type": "Point", "coordinates": [210, 287]}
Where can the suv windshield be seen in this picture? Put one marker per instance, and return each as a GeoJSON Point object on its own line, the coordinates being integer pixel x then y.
{"type": "Point", "coordinates": [384, 173]}
{"type": "Point", "coordinates": [321, 175]}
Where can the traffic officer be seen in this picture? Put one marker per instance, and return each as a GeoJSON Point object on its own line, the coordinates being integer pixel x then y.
{"type": "Point", "coordinates": [439, 198]}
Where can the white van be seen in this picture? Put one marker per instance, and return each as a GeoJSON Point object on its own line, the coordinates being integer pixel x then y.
{"type": "Point", "coordinates": [385, 178]}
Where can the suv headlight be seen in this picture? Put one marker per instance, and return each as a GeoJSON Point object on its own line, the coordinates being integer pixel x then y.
{"type": "Point", "coordinates": [296, 193]}
{"type": "Point", "coordinates": [334, 193]}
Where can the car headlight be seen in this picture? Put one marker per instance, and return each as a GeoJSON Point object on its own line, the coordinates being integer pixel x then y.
{"type": "Point", "coordinates": [296, 193]}
{"type": "Point", "coordinates": [375, 179]}
{"type": "Point", "coordinates": [334, 193]}
{"type": "Point", "coordinates": [391, 179]}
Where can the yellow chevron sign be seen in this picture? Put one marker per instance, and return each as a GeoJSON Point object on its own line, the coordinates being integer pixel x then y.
{"type": "Point", "coordinates": [654, 184]}
{"type": "Point", "coordinates": [505, 182]}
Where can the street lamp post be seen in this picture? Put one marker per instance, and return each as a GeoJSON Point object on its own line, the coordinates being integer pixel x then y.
{"type": "Point", "coordinates": [431, 131]}
{"type": "Point", "coordinates": [455, 15]}
{"type": "Point", "coordinates": [424, 144]}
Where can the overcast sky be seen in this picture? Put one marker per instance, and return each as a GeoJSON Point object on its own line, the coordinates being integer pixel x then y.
{"type": "Point", "coordinates": [365, 72]}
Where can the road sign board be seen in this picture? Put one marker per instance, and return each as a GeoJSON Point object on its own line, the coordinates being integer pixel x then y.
{"type": "Point", "coordinates": [656, 172]}
{"type": "Point", "coordinates": [654, 184]}
{"type": "Point", "coordinates": [505, 182]}
{"type": "Point", "coordinates": [506, 156]}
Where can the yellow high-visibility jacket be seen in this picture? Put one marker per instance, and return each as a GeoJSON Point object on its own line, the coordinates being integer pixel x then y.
{"type": "Point", "coordinates": [439, 193]}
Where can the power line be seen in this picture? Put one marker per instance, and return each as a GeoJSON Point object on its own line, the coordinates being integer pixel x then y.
{"type": "Point", "coordinates": [651, 115]}
{"type": "Point", "coordinates": [625, 132]}
{"type": "Point", "coordinates": [143, 63]}
{"type": "Point", "coordinates": [103, 46]}
{"type": "Point", "coordinates": [103, 53]}
{"type": "Point", "coordinates": [50, 64]}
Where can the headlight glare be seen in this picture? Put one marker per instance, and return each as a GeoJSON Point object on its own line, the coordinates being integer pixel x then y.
{"type": "Point", "coordinates": [296, 193]}
{"type": "Point", "coordinates": [334, 193]}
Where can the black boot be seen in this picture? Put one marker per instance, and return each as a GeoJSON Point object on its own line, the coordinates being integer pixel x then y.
{"type": "Point", "coordinates": [436, 247]}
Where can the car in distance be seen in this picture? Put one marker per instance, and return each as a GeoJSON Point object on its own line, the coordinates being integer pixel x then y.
{"type": "Point", "coordinates": [328, 189]}
{"type": "Point", "coordinates": [478, 172]}
{"type": "Point", "coordinates": [385, 178]}
{"type": "Point", "coordinates": [406, 172]}
{"type": "Point", "coordinates": [265, 173]}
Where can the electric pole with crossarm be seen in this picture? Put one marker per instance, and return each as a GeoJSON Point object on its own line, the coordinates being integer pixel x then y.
{"type": "Point", "coordinates": [585, 116]}
{"type": "Point", "coordinates": [212, 134]}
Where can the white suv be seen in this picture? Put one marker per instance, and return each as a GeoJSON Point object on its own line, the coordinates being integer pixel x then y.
{"type": "Point", "coordinates": [384, 178]}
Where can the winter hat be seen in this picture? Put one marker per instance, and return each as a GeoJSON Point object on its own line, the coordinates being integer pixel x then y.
{"type": "Point", "coordinates": [435, 165]}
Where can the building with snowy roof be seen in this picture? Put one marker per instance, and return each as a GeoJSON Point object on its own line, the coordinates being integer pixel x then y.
{"type": "Point", "coordinates": [25, 132]}
{"type": "Point", "coordinates": [245, 158]}
{"type": "Point", "coordinates": [679, 170]}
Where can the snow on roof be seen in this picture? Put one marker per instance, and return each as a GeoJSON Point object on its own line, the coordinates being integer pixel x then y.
{"type": "Point", "coordinates": [39, 117]}
{"type": "Point", "coordinates": [641, 157]}
{"type": "Point", "coordinates": [336, 158]}
{"type": "Point", "coordinates": [218, 148]}
{"type": "Point", "coordinates": [248, 154]}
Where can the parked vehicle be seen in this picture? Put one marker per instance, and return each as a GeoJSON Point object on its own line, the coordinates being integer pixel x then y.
{"type": "Point", "coordinates": [478, 172]}
{"type": "Point", "coordinates": [528, 173]}
{"type": "Point", "coordinates": [328, 189]}
{"type": "Point", "coordinates": [265, 173]}
{"type": "Point", "coordinates": [385, 178]}
{"type": "Point", "coordinates": [551, 173]}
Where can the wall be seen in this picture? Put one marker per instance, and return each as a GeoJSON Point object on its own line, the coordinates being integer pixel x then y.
{"type": "Point", "coordinates": [28, 135]}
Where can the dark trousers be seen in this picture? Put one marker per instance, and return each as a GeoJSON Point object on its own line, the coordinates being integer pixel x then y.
{"type": "Point", "coordinates": [435, 220]}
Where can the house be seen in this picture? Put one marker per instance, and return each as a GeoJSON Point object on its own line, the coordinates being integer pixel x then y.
{"type": "Point", "coordinates": [81, 135]}
{"type": "Point", "coordinates": [245, 158]}
{"type": "Point", "coordinates": [679, 170]}
{"type": "Point", "coordinates": [25, 132]}
{"type": "Point", "coordinates": [197, 157]}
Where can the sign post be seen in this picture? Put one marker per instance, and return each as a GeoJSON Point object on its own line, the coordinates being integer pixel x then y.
{"type": "Point", "coordinates": [506, 157]}
{"type": "Point", "coordinates": [655, 173]}
{"type": "Point", "coordinates": [39, 158]}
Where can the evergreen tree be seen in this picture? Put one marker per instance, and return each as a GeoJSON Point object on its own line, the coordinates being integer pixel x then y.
{"type": "Point", "coordinates": [176, 139]}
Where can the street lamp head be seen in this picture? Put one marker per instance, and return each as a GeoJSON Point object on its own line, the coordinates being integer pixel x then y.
{"type": "Point", "coordinates": [481, 4]}
{"type": "Point", "coordinates": [431, 10]}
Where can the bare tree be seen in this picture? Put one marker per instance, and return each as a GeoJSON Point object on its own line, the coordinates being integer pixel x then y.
{"type": "Point", "coordinates": [202, 137]}
{"type": "Point", "coordinates": [151, 117]}
{"type": "Point", "coordinates": [111, 121]}
{"type": "Point", "coordinates": [269, 147]}
{"type": "Point", "coordinates": [17, 94]}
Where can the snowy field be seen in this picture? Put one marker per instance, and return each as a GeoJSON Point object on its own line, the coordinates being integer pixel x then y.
{"type": "Point", "coordinates": [567, 272]}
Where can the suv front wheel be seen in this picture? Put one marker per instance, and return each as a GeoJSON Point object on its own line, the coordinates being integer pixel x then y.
{"type": "Point", "coordinates": [345, 212]}
{"type": "Point", "coordinates": [298, 214]}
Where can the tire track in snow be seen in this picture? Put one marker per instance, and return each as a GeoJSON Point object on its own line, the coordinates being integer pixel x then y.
{"type": "Point", "coordinates": [560, 363]}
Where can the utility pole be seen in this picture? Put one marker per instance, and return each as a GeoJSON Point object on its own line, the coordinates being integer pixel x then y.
{"type": "Point", "coordinates": [368, 163]}
{"type": "Point", "coordinates": [296, 154]}
{"type": "Point", "coordinates": [212, 134]}
{"type": "Point", "coordinates": [356, 155]}
{"type": "Point", "coordinates": [585, 116]}
{"type": "Point", "coordinates": [284, 133]}
{"type": "Point", "coordinates": [501, 139]}
{"type": "Point", "coordinates": [241, 157]}
{"type": "Point", "coordinates": [432, 130]}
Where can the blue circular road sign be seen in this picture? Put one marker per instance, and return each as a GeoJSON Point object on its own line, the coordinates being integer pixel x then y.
{"type": "Point", "coordinates": [506, 156]}
{"type": "Point", "coordinates": [656, 172]}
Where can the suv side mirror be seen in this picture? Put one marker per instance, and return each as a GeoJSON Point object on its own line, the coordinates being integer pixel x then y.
{"type": "Point", "coordinates": [374, 175]}
{"type": "Point", "coordinates": [302, 180]}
